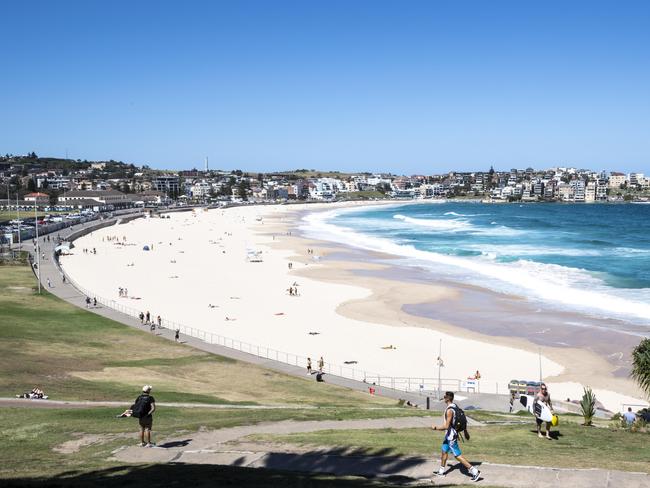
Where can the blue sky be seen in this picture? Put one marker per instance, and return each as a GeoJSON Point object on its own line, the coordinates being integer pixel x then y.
{"type": "Point", "coordinates": [407, 87]}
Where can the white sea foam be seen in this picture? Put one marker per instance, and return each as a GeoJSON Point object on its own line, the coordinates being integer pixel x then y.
{"type": "Point", "coordinates": [559, 285]}
{"type": "Point", "coordinates": [448, 225]}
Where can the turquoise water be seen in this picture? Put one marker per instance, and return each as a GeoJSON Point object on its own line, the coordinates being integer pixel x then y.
{"type": "Point", "coordinates": [591, 258]}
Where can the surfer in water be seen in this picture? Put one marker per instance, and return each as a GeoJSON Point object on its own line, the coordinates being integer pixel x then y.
{"type": "Point", "coordinates": [544, 397]}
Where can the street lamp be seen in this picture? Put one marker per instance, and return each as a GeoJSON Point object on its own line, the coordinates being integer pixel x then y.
{"type": "Point", "coordinates": [37, 247]}
{"type": "Point", "coordinates": [441, 364]}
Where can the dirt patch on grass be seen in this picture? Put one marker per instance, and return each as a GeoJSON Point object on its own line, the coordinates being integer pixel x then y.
{"type": "Point", "coordinates": [84, 440]}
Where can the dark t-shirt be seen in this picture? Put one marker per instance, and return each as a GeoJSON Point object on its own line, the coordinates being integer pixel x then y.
{"type": "Point", "coordinates": [147, 405]}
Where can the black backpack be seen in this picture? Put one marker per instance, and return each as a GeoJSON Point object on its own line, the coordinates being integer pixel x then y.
{"type": "Point", "coordinates": [141, 406]}
{"type": "Point", "coordinates": [460, 421]}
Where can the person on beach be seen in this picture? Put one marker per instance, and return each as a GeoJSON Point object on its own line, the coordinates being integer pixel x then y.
{"type": "Point", "coordinates": [309, 366]}
{"type": "Point", "coordinates": [177, 335]}
{"type": "Point", "coordinates": [87, 302]}
{"type": "Point", "coordinates": [159, 320]}
{"type": "Point", "coordinates": [147, 317]}
{"type": "Point", "coordinates": [543, 396]}
{"type": "Point", "coordinates": [144, 407]}
{"type": "Point", "coordinates": [49, 283]}
{"type": "Point", "coordinates": [95, 302]}
{"type": "Point", "coordinates": [321, 364]}
{"type": "Point", "coordinates": [152, 327]}
{"type": "Point", "coordinates": [141, 318]}
{"type": "Point", "coordinates": [450, 441]}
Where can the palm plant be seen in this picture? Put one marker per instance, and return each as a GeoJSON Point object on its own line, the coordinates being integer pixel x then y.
{"type": "Point", "coordinates": [641, 365]}
{"type": "Point", "coordinates": [588, 405]}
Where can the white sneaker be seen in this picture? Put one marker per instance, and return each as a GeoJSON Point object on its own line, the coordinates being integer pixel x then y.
{"type": "Point", "coordinates": [476, 474]}
{"type": "Point", "coordinates": [441, 471]}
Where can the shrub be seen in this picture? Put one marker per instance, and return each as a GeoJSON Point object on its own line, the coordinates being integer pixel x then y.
{"type": "Point", "coordinates": [588, 405]}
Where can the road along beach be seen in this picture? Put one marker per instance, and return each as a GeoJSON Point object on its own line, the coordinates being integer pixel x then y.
{"type": "Point", "coordinates": [247, 274]}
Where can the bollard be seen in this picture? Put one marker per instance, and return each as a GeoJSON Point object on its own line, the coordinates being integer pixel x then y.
{"type": "Point", "coordinates": [428, 402]}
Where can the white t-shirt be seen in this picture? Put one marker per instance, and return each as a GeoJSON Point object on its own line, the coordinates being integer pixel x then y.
{"type": "Point", "coordinates": [451, 434]}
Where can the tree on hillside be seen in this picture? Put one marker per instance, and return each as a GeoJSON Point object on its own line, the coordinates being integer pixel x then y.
{"type": "Point", "coordinates": [54, 197]}
{"type": "Point", "coordinates": [641, 365]}
{"type": "Point", "coordinates": [31, 186]}
{"type": "Point", "coordinates": [243, 189]}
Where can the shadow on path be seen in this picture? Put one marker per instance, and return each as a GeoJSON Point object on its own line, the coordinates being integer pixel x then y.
{"type": "Point", "coordinates": [195, 476]}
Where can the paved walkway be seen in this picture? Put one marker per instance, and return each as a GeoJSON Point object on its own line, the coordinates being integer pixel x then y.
{"type": "Point", "coordinates": [29, 403]}
{"type": "Point", "coordinates": [484, 401]}
{"type": "Point", "coordinates": [228, 447]}
{"type": "Point", "coordinates": [70, 294]}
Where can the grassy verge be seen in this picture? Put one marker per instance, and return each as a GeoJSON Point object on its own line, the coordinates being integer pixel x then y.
{"type": "Point", "coordinates": [74, 354]}
{"type": "Point", "coordinates": [573, 446]}
{"type": "Point", "coordinates": [38, 434]}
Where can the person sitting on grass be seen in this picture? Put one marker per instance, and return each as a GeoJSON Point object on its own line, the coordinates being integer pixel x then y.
{"type": "Point", "coordinates": [450, 441]}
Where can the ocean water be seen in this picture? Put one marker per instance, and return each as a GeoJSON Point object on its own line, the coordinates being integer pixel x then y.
{"type": "Point", "coordinates": [594, 259]}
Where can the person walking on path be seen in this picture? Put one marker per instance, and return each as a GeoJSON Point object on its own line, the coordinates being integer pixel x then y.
{"type": "Point", "coordinates": [177, 335]}
{"type": "Point", "coordinates": [309, 366]}
{"type": "Point", "coordinates": [159, 320]}
{"type": "Point", "coordinates": [147, 317]}
{"type": "Point", "coordinates": [141, 318]}
{"type": "Point", "coordinates": [143, 409]}
{"type": "Point", "coordinates": [87, 302]}
{"type": "Point", "coordinates": [49, 283]}
{"type": "Point", "coordinates": [450, 442]}
{"type": "Point", "coordinates": [321, 364]}
{"type": "Point", "coordinates": [543, 396]}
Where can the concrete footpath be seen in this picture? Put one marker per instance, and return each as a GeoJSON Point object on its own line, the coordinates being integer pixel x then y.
{"type": "Point", "coordinates": [230, 447]}
{"type": "Point", "coordinates": [69, 293]}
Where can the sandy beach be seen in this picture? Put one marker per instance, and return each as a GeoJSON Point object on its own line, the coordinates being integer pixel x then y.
{"type": "Point", "coordinates": [229, 272]}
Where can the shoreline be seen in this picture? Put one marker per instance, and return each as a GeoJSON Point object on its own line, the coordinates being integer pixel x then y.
{"type": "Point", "coordinates": [254, 294]}
{"type": "Point", "coordinates": [608, 372]}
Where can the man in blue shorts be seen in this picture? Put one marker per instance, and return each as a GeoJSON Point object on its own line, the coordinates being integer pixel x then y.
{"type": "Point", "coordinates": [450, 442]}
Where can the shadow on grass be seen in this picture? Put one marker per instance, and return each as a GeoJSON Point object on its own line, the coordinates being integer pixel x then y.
{"type": "Point", "coordinates": [198, 476]}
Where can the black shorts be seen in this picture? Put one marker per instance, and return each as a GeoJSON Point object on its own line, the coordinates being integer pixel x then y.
{"type": "Point", "coordinates": [146, 422]}
{"type": "Point", "coordinates": [540, 422]}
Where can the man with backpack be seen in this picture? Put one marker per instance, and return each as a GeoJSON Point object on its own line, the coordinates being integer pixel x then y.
{"type": "Point", "coordinates": [455, 423]}
{"type": "Point", "coordinates": [143, 410]}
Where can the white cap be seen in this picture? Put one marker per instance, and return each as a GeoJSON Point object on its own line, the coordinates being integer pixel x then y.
{"type": "Point", "coordinates": [147, 388]}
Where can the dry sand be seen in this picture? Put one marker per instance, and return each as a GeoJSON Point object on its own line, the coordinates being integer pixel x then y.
{"type": "Point", "coordinates": [201, 258]}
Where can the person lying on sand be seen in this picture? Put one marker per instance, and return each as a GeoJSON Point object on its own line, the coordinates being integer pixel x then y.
{"type": "Point", "coordinates": [314, 333]}
{"type": "Point", "coordinates": [228, 319]}
{"type": "Point", "coordinates": [389, 347]}
{"type": "Point", "coordinates": [212, 306]}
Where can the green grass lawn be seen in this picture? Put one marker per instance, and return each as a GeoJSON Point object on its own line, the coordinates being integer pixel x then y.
{"type": "Point", "coordinates": [574, 445]}
{"type": "Point", "coordinates": [11, 214]}
{"type": "Point", "coordinates": [74, 354]}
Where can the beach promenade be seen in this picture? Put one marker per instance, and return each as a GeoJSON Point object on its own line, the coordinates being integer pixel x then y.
{"type": "Point", "coordinates": [66, 291]}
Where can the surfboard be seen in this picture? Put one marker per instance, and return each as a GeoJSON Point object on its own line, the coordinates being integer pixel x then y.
{"type": "Point", "coordinates": [539, 409]}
